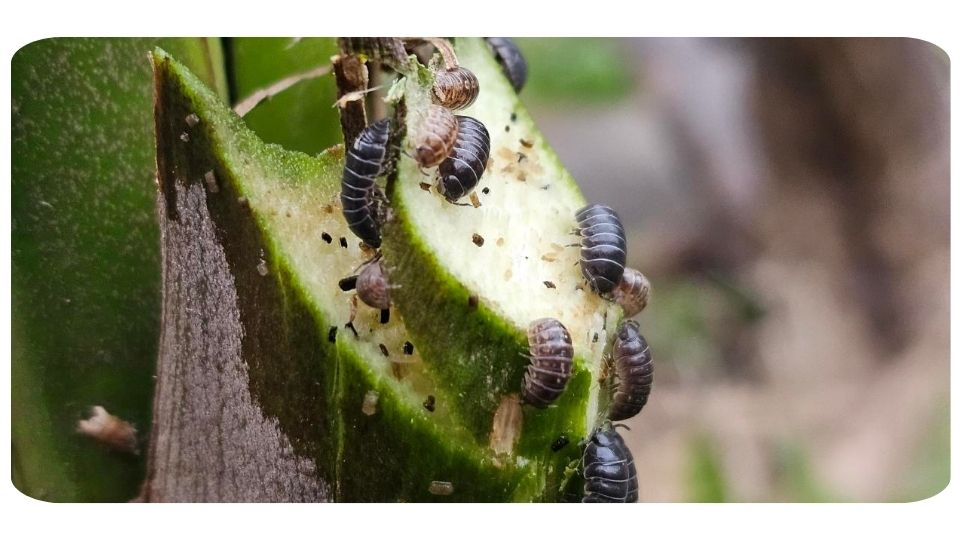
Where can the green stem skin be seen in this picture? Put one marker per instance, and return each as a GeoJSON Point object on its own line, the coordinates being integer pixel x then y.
{"type": "Point", "coordinates": [315, 388]}
{"type": "Point", "coordinates": [85, 256]}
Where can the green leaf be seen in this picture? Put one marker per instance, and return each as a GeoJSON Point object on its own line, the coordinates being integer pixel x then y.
{"type": "Point", "coordinates": [85, 252]}
{"type": "Point", "coordinates": [301, 117]}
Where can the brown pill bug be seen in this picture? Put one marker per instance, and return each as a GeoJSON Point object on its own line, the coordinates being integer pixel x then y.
{"type": "Point", "coordinates": [373, 289]}
{"type": "Point", "coordinates": [436, 137]}
{"type": "Point", "coordinates": [511, 60]}
{"type": "Point", "coordinates": [632, 374]}
{"type": "Point", "coordinates": [632, 293]}
{"type": "Point", "coordinates": [359, 193]}
{"type": "Point", "coordinates": [455, 88]}
{"type": "Point", "coordinates": [609, 473]}
{"type": "Point", "coordinates": [461, 171]}
{"type": "Point", "coordinates": [603, 247]}
{"type": "Point", "coordinates": [551, 362]}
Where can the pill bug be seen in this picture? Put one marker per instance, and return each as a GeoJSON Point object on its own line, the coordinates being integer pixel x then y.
{"type": "Point", "coordinates": [632, 374]}
{"type": "Point", "coordinates": [603, 247]}
{"type": "Point", "coordinates": [511, 60]}
{"type": "Point", "coordinates": [632, 293]}
{"type": "Point", "coordinates": [373, 289]}
{"type": "Point", "coordinates": [359, 194]}
{"type": "Point", "coordinates": [455, 88]}
{"type": "Point", "coordinates": [551, 362]}
{"type": "Point", "coordinates": [461, 171]}
{"type": "Point", "coordinates": [436, 136]}
{"type": "Point", "coordinates": [608, 470]}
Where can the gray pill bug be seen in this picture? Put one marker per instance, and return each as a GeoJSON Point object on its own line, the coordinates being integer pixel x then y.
{"type": "Point", "coordinates": [436, 136]}
{"type": "Point", "coordinates": [609, 473]}
{"type": "Point", "coordinates": [551, 362]}
{"type": "Point", "coordinates": [461, 171]}
{"type": "Point", "coordinates": [603, 247]}
{"type": "Point", "coordinates": [455, 88]}
{"type": "Point", "coordinates": [373, 288]}
{"type": "Point", "coordinates": [632, 293]}
{"type": "Point", "coordinates": [359, 194]}
{"type": "Point", "coordinates": [632, 375]}
{"type": "Point", "coordinates": [511, 60]}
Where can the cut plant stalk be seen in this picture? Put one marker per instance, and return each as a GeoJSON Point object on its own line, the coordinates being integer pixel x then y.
{"type": "Point", "coordinates": [251, 301]}
{"type": "Point", "coordinates": [469, 306]}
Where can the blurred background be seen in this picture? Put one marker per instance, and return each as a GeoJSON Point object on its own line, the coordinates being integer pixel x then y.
{"type": "Point", "coordinates": [789, 201]}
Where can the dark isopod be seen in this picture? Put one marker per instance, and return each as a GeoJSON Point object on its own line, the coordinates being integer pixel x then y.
{"type": "Point", "coordinates": [359, 194]}
{"type": "Point", "coordinates": [455, 88]}
{"type": "Point", "coordinates": [461, 171]}
{"type": "Point", "coordinates": [510, 59]}
{"type": "Point", "coordinates": [551, 362]}
{"type": "Point", "coordinates": [603, 247]}
{"type": "Point", "coordinates": [608, 470]}
{"type": "Point", "coordinates": [633, 372]}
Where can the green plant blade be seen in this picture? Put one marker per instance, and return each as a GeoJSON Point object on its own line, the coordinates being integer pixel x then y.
{"type": "Point", "coordinates": [85, 253]}
{"type": "Point", "coordinates": [301, 117]}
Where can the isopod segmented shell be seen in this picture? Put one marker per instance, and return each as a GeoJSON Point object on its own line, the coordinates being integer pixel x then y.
{"type": "Point", "coordinates": [632, 293]}
{"type": "Point", "coordinates": [551, 362]}
{"type": "Point", "coordinates": [609, 473]}
{"type": "Point", "coordinates": [633, 372]}
{"type": "Point", "coordinates": [461, 171]}
{"type": "Point", "coordinates": [365, 161]}
{"type": "Point", "coordinates": [603, 247]}
{"type": "Point", "coordinates": [436, 136]}
{"type": "Point", "coordinates": [455, 88]}
{"type": "Point", "coordinates": [373, 287]}
{"type": "Point", "coordinates": [511, 60]}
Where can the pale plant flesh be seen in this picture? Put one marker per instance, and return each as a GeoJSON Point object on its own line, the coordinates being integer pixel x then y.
{"type": "Point", "coordinates": [526, 220]}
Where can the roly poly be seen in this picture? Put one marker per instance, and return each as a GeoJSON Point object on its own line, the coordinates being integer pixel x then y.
{"type": "Point", "coordinates": [511, 60]}
{"type": "Point", "coordinates": [551, 362]}
{"type": "Point", "coordinates": [455, 88]}
{"type": "Point", "coordinates": [633, 372]}
{"type": "Point", "coordinates": [603, 247]}
{"type": "Point", "coordinates": [365, 161]}
{"type": "Point", "coordinates": [461, 171]}
{"type": "Point", "coordinates": [632, 293]}
{"type": "Point", "coordinates": [373, 288]}
{"type": "Point", "coordinates": [608, 470]}
{"type": "Point", "coordinates": [436, 136]}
